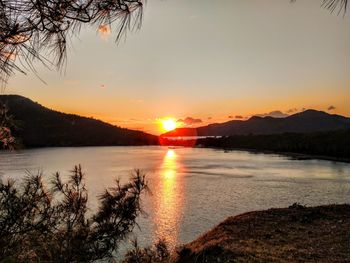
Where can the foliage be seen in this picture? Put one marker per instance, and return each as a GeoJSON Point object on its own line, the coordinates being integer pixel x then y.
{"type": "Point", "coordinates": [159, 253]}
{"type": "Point", "coordinates": [37, 126]}
{"type": "Point", "coordinates": [333, 5]}
{"type": "Point", "coordinates": [6, 123]}
{"type": "Point", "coordinates": [32, 29]}
{"type": "Point", "coordinates": [37, 224]}
{"type": "Point", "coordinates": [332, 144]}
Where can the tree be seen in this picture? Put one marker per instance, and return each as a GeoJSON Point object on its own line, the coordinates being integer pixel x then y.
{"type": "Point", "coordinates": [159, 253]}
{"type": "Point", "coordinates": [7, 140]}
{"type": "Point", "coordinates": [37, 224]}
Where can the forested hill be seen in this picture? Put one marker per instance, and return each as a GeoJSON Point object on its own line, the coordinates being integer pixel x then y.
{"type": "Point", "coordinates": [308, 121]}
{"type": "Point", "coordinates": [38, 126]}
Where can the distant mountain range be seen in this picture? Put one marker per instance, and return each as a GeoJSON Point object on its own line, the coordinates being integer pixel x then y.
{"type": "Point", "coordinates": [38, 126]}
{"type": "Point", "coordinates": [308, 121]}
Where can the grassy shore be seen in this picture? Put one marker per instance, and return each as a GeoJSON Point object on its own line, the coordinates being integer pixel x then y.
{"type": "Point", "coordinates": [333, 145]}
{"type": "Point", "coordinates": [294, 234]}
{"type": "Point", "coordinates": [292, 155]}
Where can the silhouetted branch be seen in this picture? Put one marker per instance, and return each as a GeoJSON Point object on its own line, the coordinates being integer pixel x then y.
{"type": "Point", "coordinates": [40, 225]}
{"type": "Point", "coordinates": [158, 253]}
{"type": "Point", "coordinates": [30, 29]}
{"type": "Point", "coordinates": [6, 123]}
{"type": "Point", "coordinates": [333, 5]}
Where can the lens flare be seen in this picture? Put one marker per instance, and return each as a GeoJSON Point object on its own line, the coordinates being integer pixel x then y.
{"type": "Point", "coordinates": [104, 31]}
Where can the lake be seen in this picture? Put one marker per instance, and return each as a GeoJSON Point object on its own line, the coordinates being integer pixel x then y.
{"type": "Point", "coordinates": [193, 189]}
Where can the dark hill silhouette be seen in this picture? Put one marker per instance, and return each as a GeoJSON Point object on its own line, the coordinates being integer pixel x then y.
{"type": "Point", "coordinates": [38, 126]}
{"type": "Point", "coordinates": [308, 121]}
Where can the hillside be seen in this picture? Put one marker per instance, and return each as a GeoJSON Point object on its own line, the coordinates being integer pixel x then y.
{"type": "Point", "coordinates": [325, 145]}
{"type": "Point", "coordinates": [294, 234]}
{"type": "Point", "coordinates": [304, 122]}
{"type": "Point", "coordinates": [38, 126]}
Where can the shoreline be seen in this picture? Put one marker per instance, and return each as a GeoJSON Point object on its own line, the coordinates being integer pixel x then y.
{"type": "Point", "coordinates": [292, 155]}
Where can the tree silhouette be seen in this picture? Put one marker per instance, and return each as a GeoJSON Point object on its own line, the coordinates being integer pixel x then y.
{"type": "Point", "coordinates": [7, 140]}
{"type": "Point", "coordinates": [41, 225]}
{"type": "Point", "coordinates": [333, 5]}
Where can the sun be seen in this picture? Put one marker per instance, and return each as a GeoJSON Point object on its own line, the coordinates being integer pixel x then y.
{"type": "Point", "coordinates": [169, 124]}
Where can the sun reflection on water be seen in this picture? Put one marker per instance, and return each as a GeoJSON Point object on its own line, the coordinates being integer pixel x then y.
{"type": "Point", "coordinates": [168, 199]}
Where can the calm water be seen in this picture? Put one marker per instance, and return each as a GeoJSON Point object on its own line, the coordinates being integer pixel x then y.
{"type": "Point", "coordinates": [193, 189]}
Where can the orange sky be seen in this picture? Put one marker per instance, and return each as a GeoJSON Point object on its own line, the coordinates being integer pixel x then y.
{"type": "Point", "coordinates": [205, 61]}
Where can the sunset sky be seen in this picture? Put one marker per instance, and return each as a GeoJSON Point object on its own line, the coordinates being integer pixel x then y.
{"type": "Point", "coordinates": [207, 61]}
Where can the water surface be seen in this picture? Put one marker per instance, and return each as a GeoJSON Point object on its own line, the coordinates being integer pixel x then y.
{"type": "Point", "coordinates": [192, 189]}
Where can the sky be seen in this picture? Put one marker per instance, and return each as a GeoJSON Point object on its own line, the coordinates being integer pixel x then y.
{"type": "Point", "coordinates": [201, 61]}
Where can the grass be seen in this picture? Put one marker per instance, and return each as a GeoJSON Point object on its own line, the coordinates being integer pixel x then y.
{"type": "Point", "coordinates": [294, 234]}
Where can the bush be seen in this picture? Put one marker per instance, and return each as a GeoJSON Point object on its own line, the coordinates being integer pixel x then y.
{"type": "Point", "coordinates": [6, 123]}
{"type": "Point", "coordinates": [159, 253]}
{"type": "Point", "coordinates": [51, 225]}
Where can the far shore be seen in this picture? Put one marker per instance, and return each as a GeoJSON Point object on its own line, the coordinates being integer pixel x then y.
{"type": "Point", "coordinates": [292, 155]}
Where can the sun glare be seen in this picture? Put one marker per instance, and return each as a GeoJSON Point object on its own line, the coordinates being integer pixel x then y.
{"type": "Point", "coordinates": [169, 124]}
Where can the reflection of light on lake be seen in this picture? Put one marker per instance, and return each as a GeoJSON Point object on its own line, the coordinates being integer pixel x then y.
{"type": "Point", "coordinates": [168, 194]}
{"type": "Point", "coordinates": [170, 155]}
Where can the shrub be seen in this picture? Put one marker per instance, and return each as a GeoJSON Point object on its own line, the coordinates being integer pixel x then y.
{"type": "Point", "coordinates": [41, 224]}
{"type": "Point", "coordinates": [158, 253]}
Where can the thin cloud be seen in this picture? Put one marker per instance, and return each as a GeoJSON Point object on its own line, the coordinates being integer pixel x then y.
{"type": "Point", "coordinates": [274, 114]}
{"type": "Point", "coordinates": [239, 117]}
{"type": "Point", "coordinates": [330, 108]}
{"type": "Point", "coordinates": [293, 110]}
{"type": "Point", "coordinates": [189, 121]}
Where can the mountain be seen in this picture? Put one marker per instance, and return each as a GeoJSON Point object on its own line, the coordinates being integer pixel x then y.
{"type": "Point", "coordinates": [304, 122]}
{"type": "Point", "coordinates": [38, 126]}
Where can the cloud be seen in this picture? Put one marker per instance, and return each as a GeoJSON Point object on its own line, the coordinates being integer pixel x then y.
{"type": "Point", "coordinates": [209, 118]}
{"type": "Point", "coordinates": [188, 121]}
{"type": "Point", "coordinates": [103, 86]}
{"type": "Point", "coordinates": [239, 117]}
{"type": "Point", "coordinates": [230, 117]}
{"type": "Point", "coordinates": [274, 114]}
{"type": "Point", "coordinates": [331, 108]}
{"type": "Point", "coordinates": [293, 110]}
